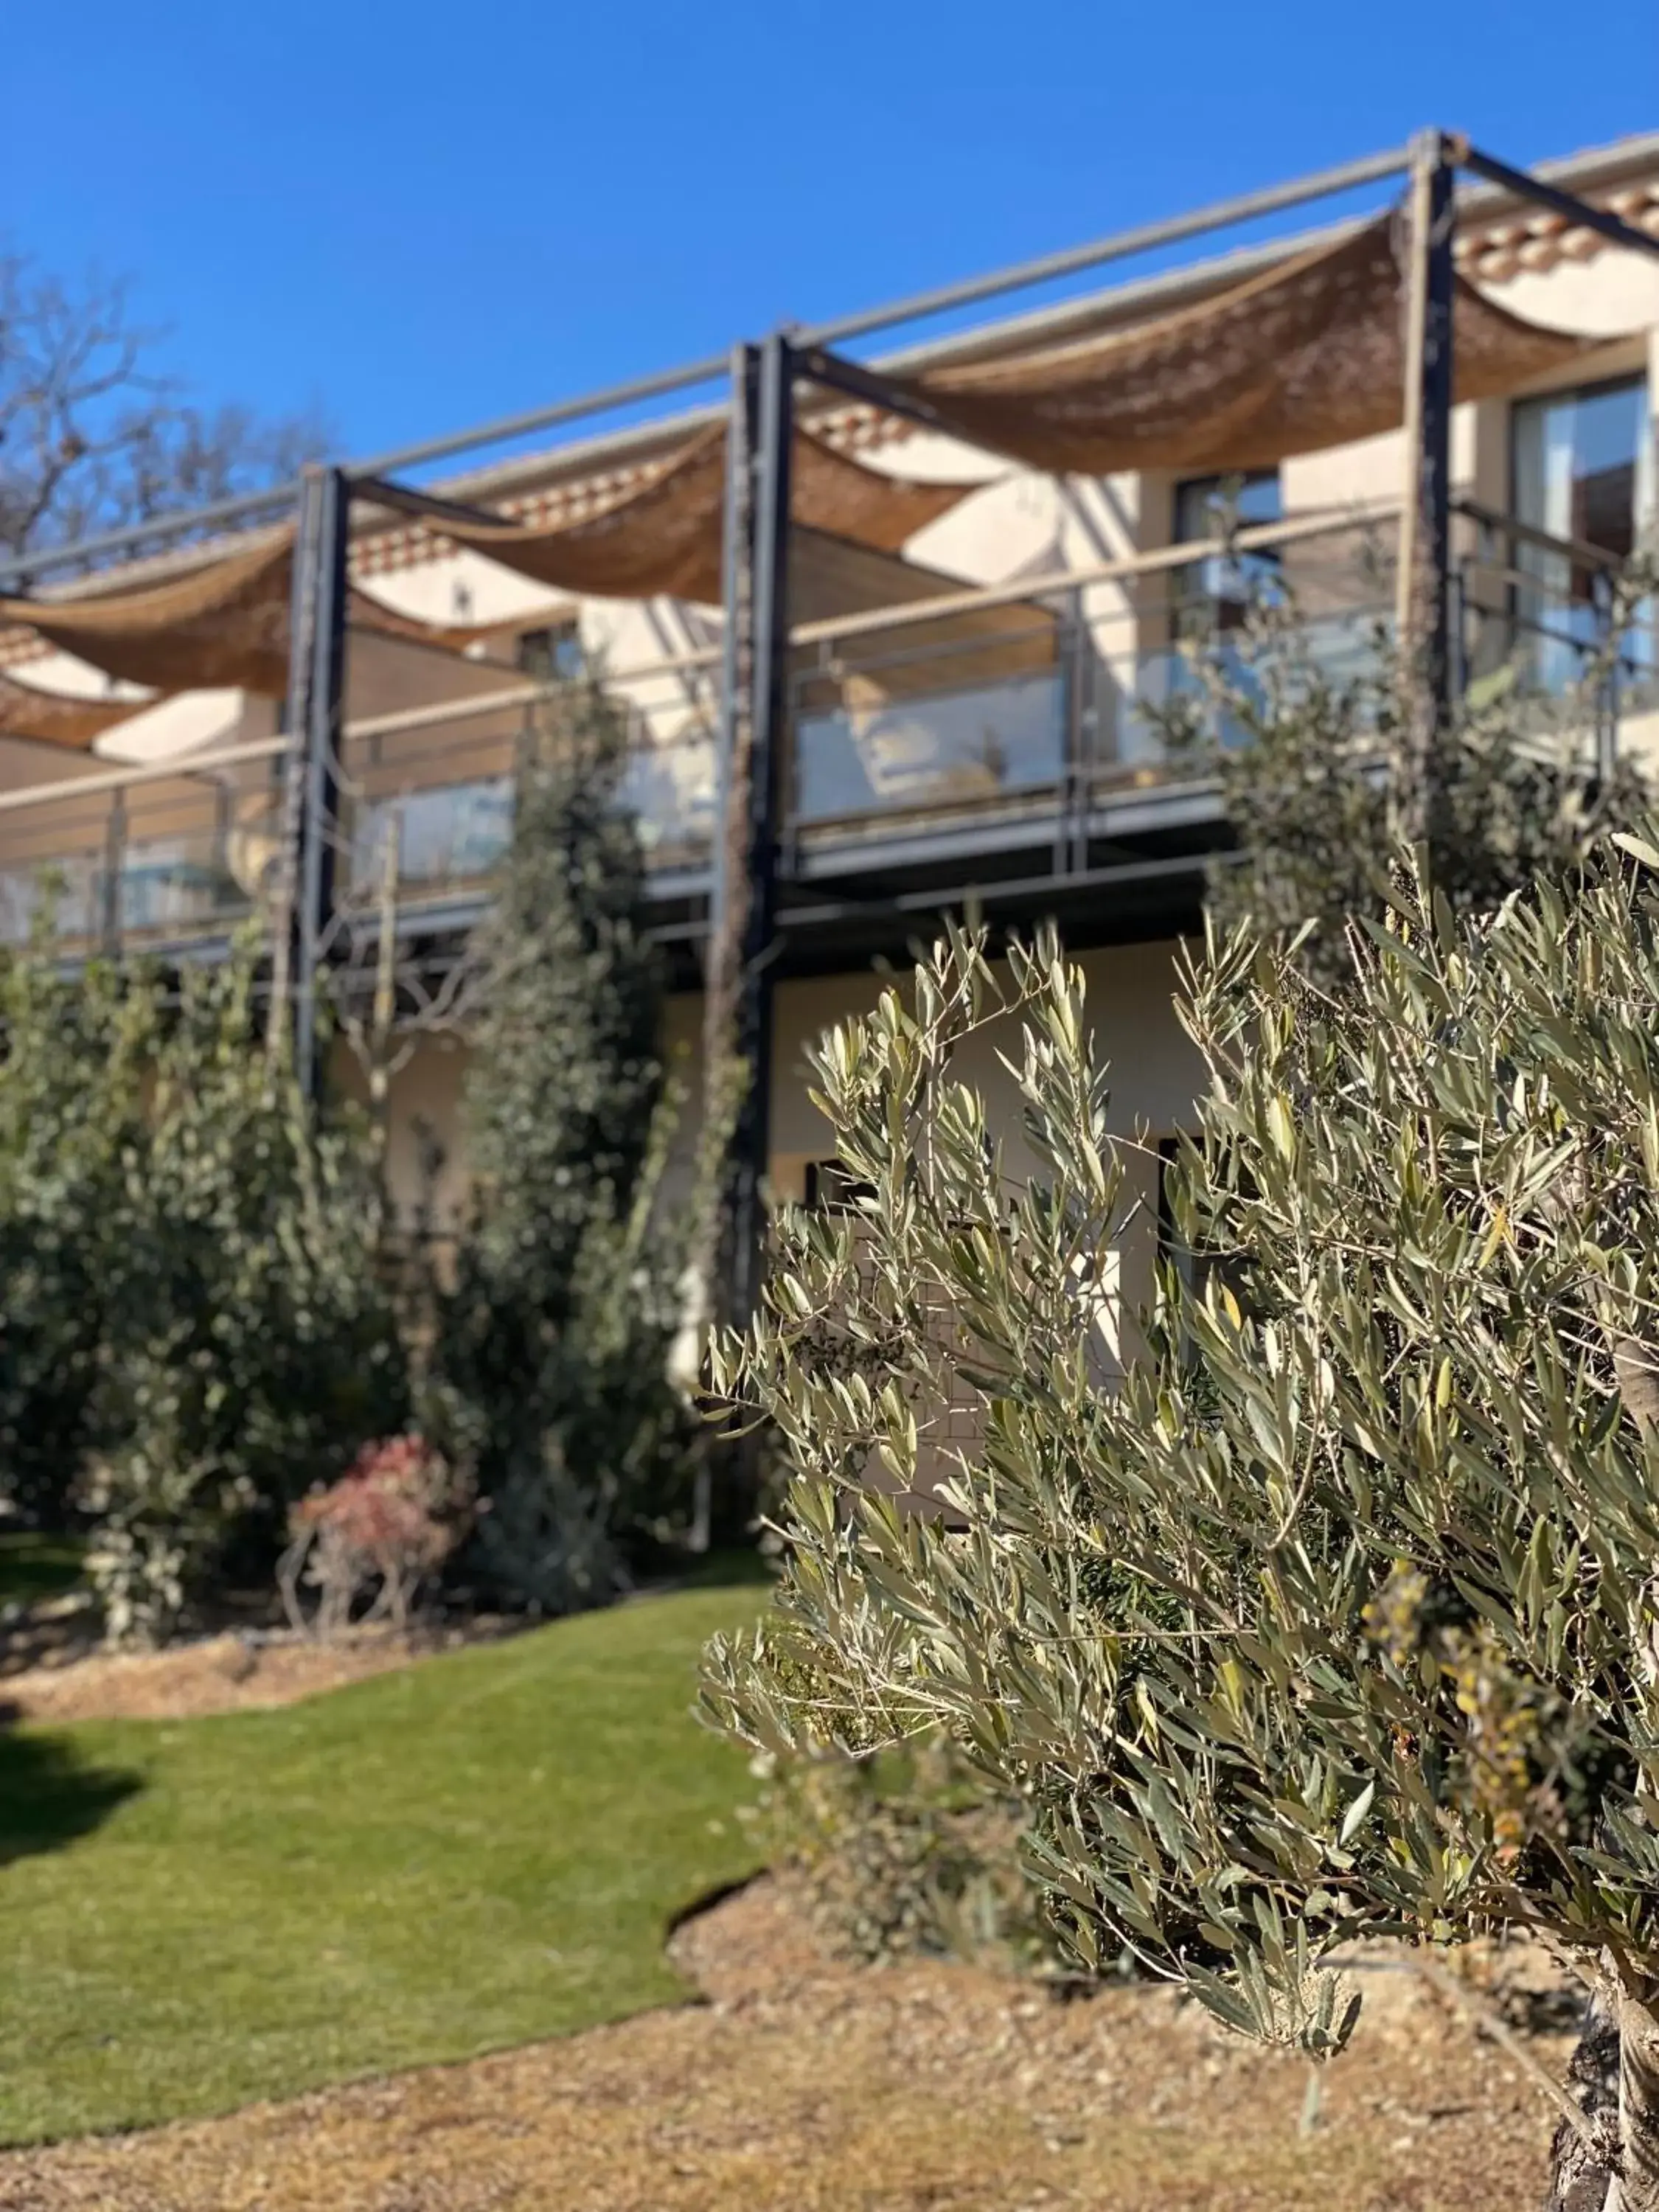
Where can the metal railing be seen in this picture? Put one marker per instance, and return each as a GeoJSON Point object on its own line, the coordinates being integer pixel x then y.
{"type": "Point", "coordinates": [1004, 704]}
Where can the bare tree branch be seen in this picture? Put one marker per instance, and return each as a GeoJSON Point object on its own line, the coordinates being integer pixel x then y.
{"type": "Point", "coordinates": [91, 437]}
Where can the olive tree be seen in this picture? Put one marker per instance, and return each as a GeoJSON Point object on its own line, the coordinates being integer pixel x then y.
{"type": "Point", "coordinates": [1306, 731]}
{"type": "Point", "coordinates": [1337, 1616]}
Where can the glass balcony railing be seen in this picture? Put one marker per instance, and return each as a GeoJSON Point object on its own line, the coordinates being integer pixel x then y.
{"type": "Point", "coordinates": [1000, 711]}
{"type": "Point", "coordinates": [448, 833]}
{"type": "Point", "coordinates": [943, 752]}
{"type": "Point", "coordinates": [1158, 686]}
{"type": "Point", "coordinates": [153, 890]}
{"type": "Point", "coordinates": [670, 788]}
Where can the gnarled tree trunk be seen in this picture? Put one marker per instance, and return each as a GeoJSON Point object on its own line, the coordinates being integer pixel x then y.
{"type": "Point", "coordinates": [1637, 2188]}
{"type": "Point", "coordinates": [1582, 2172]}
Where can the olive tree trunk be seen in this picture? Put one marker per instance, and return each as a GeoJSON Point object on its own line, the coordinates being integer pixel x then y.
{"type": "Point", "coordinates": [1637, 2187]}
{"type": "Point", "coordinates": [1614, 2078]}
{"type": "Point", "coordinates": [1582, 2171]}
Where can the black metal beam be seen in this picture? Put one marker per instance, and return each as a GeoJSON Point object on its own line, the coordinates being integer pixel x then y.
{"type": "Point", "coordinates": [1372, 168]}
{"type": "Point", "coordinates": [1117, 247]}
{"type": "Point", "coordinates": [1424, 593]}
{"type": "Point", "coordinates": [1580, 213]}
{"type": "Point", "coordinates": [316, 700]}
{"type": "Point", "coordinates": [422, 506]}
{"type": "Point", "coordinates": [917, 308]}
{"type": "Point", "coordinates": [836, 373]}
{"type": "Point", "coordinates": [772, 397]}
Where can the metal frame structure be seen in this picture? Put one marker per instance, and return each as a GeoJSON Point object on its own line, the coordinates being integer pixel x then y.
{"type": "Point", "coordinates": [1425, 568]}
{"type": "Point", "coordinates": [762, 382]}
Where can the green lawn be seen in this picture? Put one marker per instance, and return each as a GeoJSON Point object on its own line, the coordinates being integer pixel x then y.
{"type": "Point", "coordinates": [478, 1851]}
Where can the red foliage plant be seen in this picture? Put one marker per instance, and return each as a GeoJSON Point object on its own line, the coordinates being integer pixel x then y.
{"type": "Point", "coordinates": [388, 1523]}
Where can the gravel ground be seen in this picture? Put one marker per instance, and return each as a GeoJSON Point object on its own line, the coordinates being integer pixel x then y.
{"type": "Point", "coordinates": [221, 1674]}
{"type": "Point", "coordinates": [801, 2085]}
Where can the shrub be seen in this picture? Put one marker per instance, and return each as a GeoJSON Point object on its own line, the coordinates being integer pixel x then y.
{"type": "Point", "coordinates": [551, 1361]}
{"type": "Point", "coordinates": [71, 1089]}
{"type": "Point", "coordinates": [1320, 767]}
{"type": "Point", "coordinates": [387, 1525]}
{"type": "Point", "coordinates": [235, 1341]}
{"type": "Point", "coordinates": [1336, 1618]}
{"type": "Point", "coordinates": [905, 1853]}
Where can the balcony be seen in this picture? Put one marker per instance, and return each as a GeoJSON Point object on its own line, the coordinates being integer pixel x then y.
{"type": "Point", "coordinates": [1013, 735]}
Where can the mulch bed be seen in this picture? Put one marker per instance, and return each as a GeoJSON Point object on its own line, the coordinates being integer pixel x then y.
{"type": "Point", "coordinates": [804, 2085]}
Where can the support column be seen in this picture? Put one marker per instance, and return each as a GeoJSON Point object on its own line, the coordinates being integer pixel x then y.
{"type": "Point", "coordinates": [1423, 586]}
{"type": "Point", "coordinates": [110, 898]}
{"type": "Point", "coordinates": [738, 1031]}
{"type": "Point", "coordinates": [316, 690]}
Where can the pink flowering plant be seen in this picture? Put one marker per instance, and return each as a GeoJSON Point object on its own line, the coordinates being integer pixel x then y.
{"type": "Point", "coordinates": [378, 1534]}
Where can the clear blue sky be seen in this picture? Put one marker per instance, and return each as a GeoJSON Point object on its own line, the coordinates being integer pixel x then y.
{"type": "Point", "coordinates": [425, 214]}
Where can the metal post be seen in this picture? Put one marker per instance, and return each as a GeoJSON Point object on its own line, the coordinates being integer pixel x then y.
{"type": "Point", "coordinates": [311, 793]}
{"type": "Point", "coordinates": [1423, 584]}
{"type": "Point", "coordinates": [768, 714]}
{"type": "Point", "coordinates": [384, 1020]}
{"type": "Point", "coordinates": [727, 880]}
{"type": "Point", "coordinates": [115, 846]}
{"type": "Point", "coordinates": [324, 722]}
{"type": "Point", "coordinates": [302, 605]}
{"type": "Point", "coordinates": [743, 919]}
{"type": "Point", "coordinates": [1607, 688]}
{"type": "Point", "coordinates": [1071, 835]}
{"type": "Point", "coordinates": [729, 875]}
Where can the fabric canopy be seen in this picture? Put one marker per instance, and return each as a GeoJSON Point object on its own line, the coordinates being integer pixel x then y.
{"type": "Point", "coordinates": [226, 622]}
{"type": "Point", "coordinates": [224, 625]}
{"type": "Point", "coordinates": [1307, 355]}
{"type": "Point", "coordinates": [49, 718]}
{"type": "Point", "coordinates": [664, 536]}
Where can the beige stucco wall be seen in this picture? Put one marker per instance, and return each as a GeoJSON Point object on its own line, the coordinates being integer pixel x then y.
{"type": "Point", "coordinates": [1131, 990]}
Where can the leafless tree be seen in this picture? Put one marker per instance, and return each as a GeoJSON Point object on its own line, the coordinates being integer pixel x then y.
{"type": "Point", "coordinates": [93, 436]}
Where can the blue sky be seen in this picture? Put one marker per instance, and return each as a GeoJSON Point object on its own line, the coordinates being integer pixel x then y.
{"type": "Point", "coordinates": [425, 216]}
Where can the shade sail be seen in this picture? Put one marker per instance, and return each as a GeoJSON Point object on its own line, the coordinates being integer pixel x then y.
{"type": "Point", "coordinates": [225, 623]}
{"type": "Point", "coordinates": [223, 626]}
{"type": "Point", "coordinates": [1307, 355]}
{"type": "Point", "coordinates": [664, 536]}
{"type": "Point", "coordinates": [51, 718]}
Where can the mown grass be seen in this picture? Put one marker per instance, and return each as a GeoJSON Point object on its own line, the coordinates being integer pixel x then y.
{"type": "Point", "coordinates": [477, 1851]}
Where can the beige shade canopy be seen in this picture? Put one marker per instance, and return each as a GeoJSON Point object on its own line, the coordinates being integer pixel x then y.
{"type": "Point", "coordinates": [663, 537]}
{"type": "Point", "coordinates": [1307, 355]}
{"type": "Point", "coordinates": [223, 625]}
{"type": "Point", "coordinates": [226, 622]}
{"type": "Point", "coordinates": [50, 718]}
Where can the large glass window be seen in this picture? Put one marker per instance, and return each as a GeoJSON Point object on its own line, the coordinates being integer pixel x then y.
{"type": "Point", "coordinates": [1215, 593]}
{"type": "Point", "coordinates": [1210, 600]}
{"type": "Point", "coordinates": [1583, 470]}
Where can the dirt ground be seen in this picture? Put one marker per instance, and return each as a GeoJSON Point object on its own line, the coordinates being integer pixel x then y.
{"type": "Point", "coordinates": [227, 1673]}
{"type": "Point", "coordinates": [801, 2085]}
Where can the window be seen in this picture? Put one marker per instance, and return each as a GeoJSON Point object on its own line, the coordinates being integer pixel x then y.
{"type": "Point", "coordinates": [1217, 591]}
{"type": "Point", "coordinates": [552, 656]}
{"type": "Point", "coordinates": [1583, 468]}
{"type": "Point", "coordinates": [831, 1189]}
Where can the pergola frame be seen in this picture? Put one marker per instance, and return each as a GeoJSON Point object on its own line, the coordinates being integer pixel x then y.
{"type": "Point", "coordinates": [763, 382]}
{"type": "Point", "coordinates": [755, 716]}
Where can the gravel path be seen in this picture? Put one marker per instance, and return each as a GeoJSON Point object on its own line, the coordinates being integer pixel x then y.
{"type": "Point", "coordinates": [805, 2086]}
